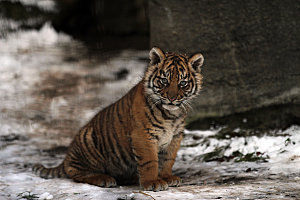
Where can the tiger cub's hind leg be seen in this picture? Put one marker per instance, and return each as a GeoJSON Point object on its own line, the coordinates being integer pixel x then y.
{"type": "Point", "coordinates": [84, 163]}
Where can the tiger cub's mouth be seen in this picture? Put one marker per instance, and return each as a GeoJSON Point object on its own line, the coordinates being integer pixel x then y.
{"type": "Point", "coordinates": [170, 107]}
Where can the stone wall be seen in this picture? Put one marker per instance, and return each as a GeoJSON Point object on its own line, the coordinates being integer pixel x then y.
{"type": "Point", "coordinates": [251, 50]}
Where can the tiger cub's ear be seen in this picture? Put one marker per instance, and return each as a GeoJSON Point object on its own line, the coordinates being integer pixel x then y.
{"type": "Point", "coordinates": [196, 61]}
{"type": "Point", "coordinates": [156, 56]}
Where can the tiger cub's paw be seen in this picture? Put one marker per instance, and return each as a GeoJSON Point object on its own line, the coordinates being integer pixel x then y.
{"type": "Point", "coordinates": [107, 182]}
{"type": "Point", "coordinates": [101, 180]}
{"type": "Point", "coordinates": [155, 185]}
{"type": "Point", "coordinates": [173, 181]}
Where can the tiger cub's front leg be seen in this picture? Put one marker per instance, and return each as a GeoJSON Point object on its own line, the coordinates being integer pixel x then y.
{"type": "Point", "coordinates": [167, 159]}
{"type": "Point", "coordinates": [146, 154]}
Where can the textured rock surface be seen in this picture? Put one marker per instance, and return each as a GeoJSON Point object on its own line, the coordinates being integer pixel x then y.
{"type": "Point", "coordinates": [251, 50]}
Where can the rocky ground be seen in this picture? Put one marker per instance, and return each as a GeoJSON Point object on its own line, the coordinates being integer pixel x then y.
{"type": "Point", "coordinates": [50, 85]}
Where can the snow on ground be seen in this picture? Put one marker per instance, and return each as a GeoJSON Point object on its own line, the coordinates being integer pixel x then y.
{"type": "Point", "coordinates": [47, 5]}
{"type": "Point", "coordinates": [280, 151]}
{"type": "Point", "coordinates": [10, 23]}
{"type": "Point", "coordinates": [50, 86]}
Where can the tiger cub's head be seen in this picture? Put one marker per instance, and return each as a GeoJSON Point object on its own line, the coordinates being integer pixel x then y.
{"type": "Point", "coordinates": [172, 79]}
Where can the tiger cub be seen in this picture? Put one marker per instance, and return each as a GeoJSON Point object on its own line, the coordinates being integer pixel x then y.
{"type": "Point", "coordinates": [136, 139]}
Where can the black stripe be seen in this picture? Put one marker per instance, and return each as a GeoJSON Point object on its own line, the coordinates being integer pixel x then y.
{"type": "Point", "coordinates": [87, 155]}
{"type": "Point", "coordinates": [163, 113]}
{"type": "Point", "coordinates": [98, 133]}
{"type": "Point", "coordinates": [181, 69]}
{"type": "Point", "coordinates": [123, 102]}
{"type": "Point", "coordinates": [58, 172]}
{"type": "Point", "coordinates": [47, 172]}
{"type": "Point", "coordinates": [112, 154]}
{"type": "Point", "coordinates": [151, 77]}
{"type": "Point", "coordinates": [74, 157]}
{"type": "Point", "coordinates": [79, 153]}
{"type": "Point", "coordinates": [63, 171]}
{"type": "Point", "coordinates": [85, 141]}
{"type": "Point", "coordinates": [118, 112]}
{"type": "Point", "coordinates": [121, 160]}
{"type": "Point", "coordinates": [77, 165]}
{"type": "Point", "coordinates": [153, 73]}
{"type": "Point", "coordinates": [118, 147]}
{"type": "Point", "coordinates": [177, 126]}
{"type": "Point", "coordinates": [169, 66]}
{"type": "Point", "coordinates": [92, 151]}
{"type": "Point", "coordinates": [101, 135]}
{"type": "Point", "coordinates": [186, 76]}
{"type": "Point", "coordinates": [157, 87]}
{"type": "Point", "coordinates": [152, 123]}
{"type": "Point", "coordinates": [169, 74]}
{"type": "Point", "coordinates": [38, 170]}
{"type": "Point", "coordinates": [147, 163]}
{"type": "Point", "coordinates": [124, 128]}
{"type": "Point", "coordinates": [98, 150]}
{"type": "Point", "coordinates": [161, 72]}
{"type": "Point", "coordinates": [193, 85]}
{"type": "Point", "coordinates": [152, 111]}
{"type": "Point", "coordinates": [166, 114]}
{"type": "Point", "coordinates": [167, 159]}
{"type": "Point", "coordinates": [131, 96]}
{"type": "Point", "coordinates": [95, 141]}
{"type": "Point", "coordinates": [152, 135]}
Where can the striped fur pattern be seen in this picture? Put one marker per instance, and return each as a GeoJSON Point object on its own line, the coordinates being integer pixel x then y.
{"type": "Point", "coordinates": [136, 139]}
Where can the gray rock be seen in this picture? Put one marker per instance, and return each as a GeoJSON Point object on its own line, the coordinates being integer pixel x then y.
{"type": "Point", "coordinates": [251, 50]}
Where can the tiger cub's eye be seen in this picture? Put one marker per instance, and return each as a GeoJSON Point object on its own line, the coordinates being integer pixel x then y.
{"type": "Point", "coordinates": [183, 83]}
{"type": "Point", "coordinates": [164, 81]}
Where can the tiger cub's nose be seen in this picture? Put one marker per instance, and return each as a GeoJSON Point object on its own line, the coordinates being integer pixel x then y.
{"type": "Point", "coordinates": [172, 98]}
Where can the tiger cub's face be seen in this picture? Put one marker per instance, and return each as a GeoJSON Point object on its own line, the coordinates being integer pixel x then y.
{"type": "Point", "coordinates": [172, 79]}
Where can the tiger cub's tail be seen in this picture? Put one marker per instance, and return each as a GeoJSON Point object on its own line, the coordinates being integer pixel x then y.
{"type": "Point", "coordinates": [56, 172]}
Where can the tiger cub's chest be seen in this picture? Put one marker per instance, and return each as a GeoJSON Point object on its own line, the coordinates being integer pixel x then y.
{"type": "Point", "coordinates": [166, 135]}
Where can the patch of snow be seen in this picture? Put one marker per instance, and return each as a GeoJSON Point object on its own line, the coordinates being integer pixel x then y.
{"type": "Point", "coordinates": [205, 133]}
{"type": "Point", "coordinates": [278, 148]}
{"type": "Point", "coordinates": [283, 151]}
{"type": "Point", "coordinates": [46, 196]}
{"type": "Point", "coordinates": [32, 39]}
{"type": "Point", "coordinates": [47, 5]}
